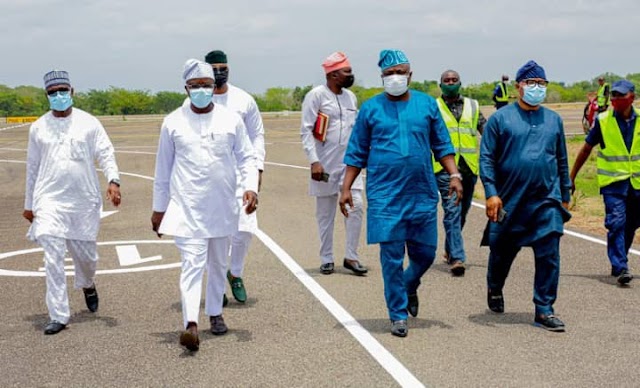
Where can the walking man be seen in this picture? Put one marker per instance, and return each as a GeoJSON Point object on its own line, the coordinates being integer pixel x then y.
{"type": "Point", "coordinates": [393, 133]}
{"type": "Point", "coordinates": [500, 96]}
{"type": "Point", "coordinates": [62, 196]}
{"type": "Point", "coordinates": [617, 132]}
{"type": "Point", "coordinates": [335, 103]}
{"type": "Point", "coordinates": [194, 196]}
{"type": "Point", "coordinates": [524, 169]}
{"type": "Point", "coordinates": [464, 121]}
{"type": "Point", "coordinates": [241, 102]}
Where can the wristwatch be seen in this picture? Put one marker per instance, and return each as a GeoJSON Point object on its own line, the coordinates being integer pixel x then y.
{"type": "Point", "coordinates": [115, 182]}
{"type": "Point", "coordinates": [456, 175]}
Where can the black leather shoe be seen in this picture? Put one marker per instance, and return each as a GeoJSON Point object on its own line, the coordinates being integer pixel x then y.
{"type": "Point", "coordinates": [625, 277]}
{"type": "Point", "coordinates": [399, 328]}
{"type": "Point", "coordinates": [189, 339]}
{"type": "Point", "coordinates": [218, 327]}
{"type": "Point", "coordinates": [549, 322]}
{"type": "Point", "coordinates": [495, 300]}
{"type": "Point", "coordinates": [356, 267]}
{"type": "Point", "coordinates": [412, 305]}
{"type": "Point", "coordinates": [327, 268]}
{"type": "Point", "coordinates": [54, 327]}
{"type": "Point", "coordinates": [91, 298]}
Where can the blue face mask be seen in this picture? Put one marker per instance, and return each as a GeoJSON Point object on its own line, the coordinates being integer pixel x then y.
{"type": "Point", "coordinates": [201, 97]}
{"type": "Point", "coordinates": [60, 101]}
{"type": "Point", "coordinates": [534, 95]}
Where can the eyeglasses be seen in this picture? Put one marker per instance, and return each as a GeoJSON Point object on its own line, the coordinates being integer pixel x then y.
{"type": "Point", "coordinates": [61, 90]}
{"type": "Point", "coordinates": [533, 82]}
{"type": "Point", "coordinates": [198, 86]}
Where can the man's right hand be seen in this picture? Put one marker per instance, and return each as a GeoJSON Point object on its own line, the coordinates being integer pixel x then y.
{"type": "Point", "coordinates": [316, 171]}
{"type": "Point", "coordinates": [494, 204]}
{"type": "Point", "coordinates": [28, 214]}
{"type": "Point", "coordinates": [156, 220]}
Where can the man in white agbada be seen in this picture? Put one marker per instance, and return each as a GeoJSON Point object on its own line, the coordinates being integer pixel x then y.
{"type": "Point", "coordinates": [194, 193]}
{"type": "Point", "coordinates": [243, 104]}
{"type": "Point", "coordinates": [62, 196]}
{"type": "Point", "coordinates": [326, 159]}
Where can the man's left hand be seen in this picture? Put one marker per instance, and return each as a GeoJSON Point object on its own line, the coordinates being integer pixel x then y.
{"type": "Point", "coordinates": [250, 201]}
{"type": "Point", "coordinates": [113, 194]}
{"type": "Point", "coordinates": [455, 185]}
{"type": "Point", "coordinates": [565, 205]}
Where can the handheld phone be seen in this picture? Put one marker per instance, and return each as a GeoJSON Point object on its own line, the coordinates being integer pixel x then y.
{"type": "Point", "coordinates": [325, 177]}
{"type": "Point", "coordinates": [502, 214]}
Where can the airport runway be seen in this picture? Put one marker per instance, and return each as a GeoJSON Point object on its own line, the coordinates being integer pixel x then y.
{"type": "Point", "coordinates": [299, 327]}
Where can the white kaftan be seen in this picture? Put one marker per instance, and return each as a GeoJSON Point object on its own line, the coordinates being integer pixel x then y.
{"type": "Point", "coordinates": [62, 187]}
{"type": "Point", "coordinates": [195, 178]}
{"type": "Point", "coordinates": [342, 110]}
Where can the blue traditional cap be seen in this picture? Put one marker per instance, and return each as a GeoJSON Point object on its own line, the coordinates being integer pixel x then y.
{"type": "Point", "coordinates": [56, 77]}
{"type": "Point", "coordinates": [390, 58]}
{"type": "Point", "coordinates": [530, 70]}
{"type": "Point", "coordinates": [623, 87]}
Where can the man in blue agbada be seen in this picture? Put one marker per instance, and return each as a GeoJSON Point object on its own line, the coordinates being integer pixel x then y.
{"type": "Point", "coordinates": [524, 169]}
{"type": "Point", "coordinates": [393, 137]}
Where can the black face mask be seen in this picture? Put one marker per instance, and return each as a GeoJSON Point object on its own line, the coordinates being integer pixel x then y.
{"type": "Point", "coordinates": [221, 76]}
{"type": "Point", "coordinates": [348, 81]}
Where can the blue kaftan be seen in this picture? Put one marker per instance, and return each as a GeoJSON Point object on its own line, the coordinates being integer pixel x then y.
{"type": "Point", "coordinates": [523, 160]}
{"type": "Point", "coordinates": [393, 140]}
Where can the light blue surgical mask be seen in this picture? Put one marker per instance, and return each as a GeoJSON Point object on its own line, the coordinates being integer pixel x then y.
{"type": "Point", "coordinates": [534, 95]}
{"type": "Point", "coordinates": [201, 97]}
{"type": "Point", "coordinates": [60, 101]}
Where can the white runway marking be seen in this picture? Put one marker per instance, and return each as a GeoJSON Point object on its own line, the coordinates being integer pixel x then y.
{"type": "Point", "coordinates": [391, 364]}
{"type": "Point", "coordinates": [14, 126]}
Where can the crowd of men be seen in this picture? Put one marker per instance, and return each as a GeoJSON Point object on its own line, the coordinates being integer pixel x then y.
{"type": "Point", "coordinates": [416, 150]}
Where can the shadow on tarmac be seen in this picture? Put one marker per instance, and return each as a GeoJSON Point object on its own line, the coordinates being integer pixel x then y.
{"type": "Point", "coordinates": [606, 279]}
{"type": "Point", "coordinates": [384, 325]}
{"type": "Point", "coordinates": [492, 319]}
{"type": "Point", "coordinates": [251, 302]}
{"type": "Point", "coordinates": [38, 321]}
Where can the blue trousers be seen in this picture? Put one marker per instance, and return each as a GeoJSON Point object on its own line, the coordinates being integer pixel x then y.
{"type": "Point", "coordinates": [455, 216]}
{"type": "Point", "coordinates": [398, 282]}
{"type": "Point", "coordinates": [622, 219]}
{"type": "Point", "coordinates": [547, 261]}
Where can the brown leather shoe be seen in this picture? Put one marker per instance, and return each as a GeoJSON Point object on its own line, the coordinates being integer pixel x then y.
{"type": "Point", "coordinates": [218, 327]}
{"type": "Point", "coordinates": [189, 339]}
{"type": "Point", "coordinates": [355, 266]}
{"type": "Point", "coordinates": [457, 268]}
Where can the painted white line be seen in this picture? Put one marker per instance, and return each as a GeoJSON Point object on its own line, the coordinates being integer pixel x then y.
{"type": "Point", "coordinates": [391, 364]}
{"type": "Point", "coordinates": [135, 152]}
{"type": "Point", "coordinates": [286, 165]}
{"type": "Point", "coordinates": [572, 233]}
{"type": "Point", "coordinates": [13, 161]}
{"type": "Point", "coordinates": [14, 126]}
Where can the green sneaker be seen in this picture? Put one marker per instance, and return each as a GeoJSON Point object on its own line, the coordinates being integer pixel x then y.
{"type": "Point", "coordinates": [237, 288]}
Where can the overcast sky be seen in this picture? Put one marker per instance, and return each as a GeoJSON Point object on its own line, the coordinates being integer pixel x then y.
{"type": "Point", "coordinates": [140, 44]}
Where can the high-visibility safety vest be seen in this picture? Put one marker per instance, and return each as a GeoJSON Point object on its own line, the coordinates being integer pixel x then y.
{"type": "Point", "coordinates": [615, 163]}
{"type": "Point", "coordinates": [602, 99]}
{"type": "Point", "coordinates": [464, 133]}
{"type": "Point", "coordinates": [504, 97]}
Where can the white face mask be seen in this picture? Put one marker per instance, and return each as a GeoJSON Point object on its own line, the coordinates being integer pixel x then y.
{"type": "Point", "coordinates": [395, 84]}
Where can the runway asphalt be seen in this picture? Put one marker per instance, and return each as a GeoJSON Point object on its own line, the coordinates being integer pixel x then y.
{"type": "Point", "coordinates": [299, 327]}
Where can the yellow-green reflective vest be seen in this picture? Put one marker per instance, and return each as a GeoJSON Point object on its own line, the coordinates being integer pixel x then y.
{"type": "Point", "coordinates": [504, 97]}
{"type": "Point", "coordinates": [602, 99]}
{"type": "Point", "coordinates": [464, 133]}
{"type": "Point", "coordinates": [615, 163]}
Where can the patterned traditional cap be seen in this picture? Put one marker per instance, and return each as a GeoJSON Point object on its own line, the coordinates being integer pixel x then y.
{"type": "Point", "coordinates": [335, 61]}
{"type": "Point", "coordinates": [390, 58]}
{"type": "Point", "coordinates": [216, 56]}
{"type": "Point", "coordinates": [530, 70]}
{"type": "Point", "coordinates": [194, 68]}
{"type": "Point", "coordinates": [56, 77]}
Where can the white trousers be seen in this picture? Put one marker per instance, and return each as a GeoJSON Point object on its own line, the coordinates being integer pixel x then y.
{"type": "Point", "coordinates": [198, 254]}
{"type": "Point", "coordinates": [325, 216]}
{"type": "Point", "coordinates": [85, 258]}
{"type": "Point", "coordinates": [240, 242]}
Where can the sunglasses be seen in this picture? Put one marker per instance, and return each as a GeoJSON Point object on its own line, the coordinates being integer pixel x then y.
{"type": "Point", "coordinates": [61, 90]}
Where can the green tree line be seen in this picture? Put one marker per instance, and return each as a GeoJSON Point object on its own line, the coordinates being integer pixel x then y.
{"type": "Point", "coordinates": [32, 101]}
